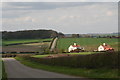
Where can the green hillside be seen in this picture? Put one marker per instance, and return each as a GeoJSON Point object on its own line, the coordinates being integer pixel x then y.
{"type": "Point", "coordinates": [89, 44]}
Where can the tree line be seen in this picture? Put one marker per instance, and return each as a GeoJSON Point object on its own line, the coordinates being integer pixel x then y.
{"type": "Point", "coordinates": [31, 34]}
{"type": "Point", "coordinates": [95, 36]}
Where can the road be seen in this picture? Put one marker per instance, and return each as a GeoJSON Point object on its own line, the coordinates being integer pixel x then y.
{"type": "Point", "coordinates": [53, 44]}
{"type": "Point", "coordinates": [15, 69]}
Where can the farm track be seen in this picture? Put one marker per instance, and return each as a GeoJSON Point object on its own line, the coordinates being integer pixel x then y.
{"type": "Point", "coordinates": [15, 69]}
{"type": "Point", "coordinates": [53, 44]}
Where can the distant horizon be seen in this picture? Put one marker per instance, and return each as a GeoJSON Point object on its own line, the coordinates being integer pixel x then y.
{"type": "Point", "coordinates": [62, 32]}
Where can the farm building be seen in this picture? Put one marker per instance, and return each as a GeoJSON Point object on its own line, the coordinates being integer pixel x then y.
{"type": "Point", "coordinates": [105, 47]}
{"type": "Point", "coordinates": [75, 48]}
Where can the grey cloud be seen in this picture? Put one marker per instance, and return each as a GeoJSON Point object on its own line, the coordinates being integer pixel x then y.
{"type": "Point", "coordinates": [17, 9]}
{"type": "Point", "coordinates": [64, 17]}
{"type": "Point", "coordinates": [61, 1]}
{"type": "Point", "coordinates": [41, 5]}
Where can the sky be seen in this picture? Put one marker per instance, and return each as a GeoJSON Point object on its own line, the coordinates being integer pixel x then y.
{"type": "Point", "coordinates": [60, 0]}
{"type": "Point", "coordinates": [66, 17]}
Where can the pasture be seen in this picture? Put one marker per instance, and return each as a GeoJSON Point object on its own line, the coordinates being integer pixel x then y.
{"type": "Point", "coordinates": [89, 44]}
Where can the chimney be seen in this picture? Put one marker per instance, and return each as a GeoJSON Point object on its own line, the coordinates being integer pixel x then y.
{"type": "Point", "coordinates": [104, 44]}
{"type": "Point", "coordinates": [75, 44]}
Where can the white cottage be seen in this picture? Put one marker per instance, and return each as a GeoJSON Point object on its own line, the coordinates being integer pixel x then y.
{"type": "Point", "coordinates": [75, 48]}
{"type": "Point", "coordinates": [105, 47]}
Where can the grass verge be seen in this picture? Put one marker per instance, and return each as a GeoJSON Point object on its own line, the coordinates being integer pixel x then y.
{"type": "Point", "coordinates": [4, 74]}
{"type": "Point", "coordinates": [112, 74]}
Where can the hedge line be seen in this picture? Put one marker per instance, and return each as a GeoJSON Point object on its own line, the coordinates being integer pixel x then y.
{"type": "Point", "coordinates": [14, 55]}
{"type": "Point", "coordinates": [98, 60]}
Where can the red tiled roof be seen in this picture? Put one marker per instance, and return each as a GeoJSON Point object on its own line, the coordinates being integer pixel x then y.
{"type": "Point", "coordinates": [76, 45]}
{"type": "Point", "coordinates": [107, 47]}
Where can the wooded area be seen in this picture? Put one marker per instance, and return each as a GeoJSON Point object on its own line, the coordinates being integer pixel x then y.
{"type": "Point", "coordinates": [31, 34]}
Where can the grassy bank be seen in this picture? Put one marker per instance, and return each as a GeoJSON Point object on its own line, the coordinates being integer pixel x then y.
{"type": "Point", "coordinates": [90, 73]}
{"type": "Point", "coordinates": [4, 74]}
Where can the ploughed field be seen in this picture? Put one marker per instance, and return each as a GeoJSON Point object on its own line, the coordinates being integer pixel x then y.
{"type": "Point", "coordinates": [31, 45]}
{"type": "Point", "coordinates": [89, 44]}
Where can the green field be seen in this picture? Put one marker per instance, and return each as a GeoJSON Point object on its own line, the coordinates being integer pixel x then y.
{"type": "Point", "coordinates": [8, 42]}
{"type": "Point", "coordinates": [89, 44]}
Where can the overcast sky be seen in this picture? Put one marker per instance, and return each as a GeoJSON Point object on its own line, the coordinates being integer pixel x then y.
{"type": "Point", "coordinates": [66, 17]}
{"type": "Point", "coordinates": [60, 0]}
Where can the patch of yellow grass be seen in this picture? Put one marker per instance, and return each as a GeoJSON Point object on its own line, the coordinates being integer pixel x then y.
{"type": "Point", "coordinates": [38, 44]}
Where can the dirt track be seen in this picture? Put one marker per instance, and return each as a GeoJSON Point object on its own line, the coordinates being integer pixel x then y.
{"type": "Point", "coordinates": [53, 44]}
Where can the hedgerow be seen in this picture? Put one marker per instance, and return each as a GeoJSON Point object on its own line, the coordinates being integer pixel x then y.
{"type": "Point", "coordinates": [98, 60]}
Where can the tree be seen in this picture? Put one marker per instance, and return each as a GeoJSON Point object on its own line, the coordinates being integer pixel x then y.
{"type": "Point", "coordinates": [30, 34]}
{"type": "Point", "coordinates": [75, 35]}
{"type": "Point", "coordinates": [61, 35]}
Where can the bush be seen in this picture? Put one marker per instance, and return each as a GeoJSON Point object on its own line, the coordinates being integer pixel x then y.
{"type": "Point", "coordinates": [98, 60]}
{"type": "Point", "coordinates": [8, 55]}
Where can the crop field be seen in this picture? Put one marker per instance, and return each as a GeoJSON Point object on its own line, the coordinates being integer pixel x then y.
{"type": "Point", "coordinates": [89, 44]}
{"type": "Point", "coordinates": [32, 45]}
{"type": "Point", "coordinates": [8, 42]}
